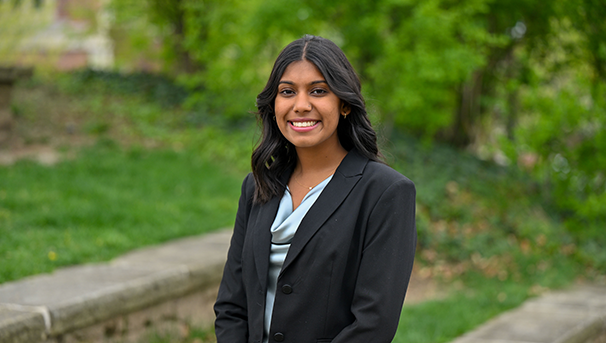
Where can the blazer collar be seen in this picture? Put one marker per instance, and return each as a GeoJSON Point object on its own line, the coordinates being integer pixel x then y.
{"type": "Point", "coordinates": [353, 164]}
{"type": "Point", "coordinates": [345, 178]}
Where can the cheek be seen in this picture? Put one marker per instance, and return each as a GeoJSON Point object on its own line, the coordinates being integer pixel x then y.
{"type": "Point", "coordinates": [280, 112]}
{"type": "Point", "coordinates": [332, 114]}
{"type": "Point", "coordinates": [280, 108]}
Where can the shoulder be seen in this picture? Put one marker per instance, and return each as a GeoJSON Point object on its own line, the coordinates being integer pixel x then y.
{"type": "Point", "coordinates": [383, 171]}
{"type": "Point", "coordinates": [248, 186]}
{"type": "Point", "coordinates": [373, 177]}
{"type": "Point", "coordinates": [381, 177]}
{"type": "Point", "coordinates": [249, 180]}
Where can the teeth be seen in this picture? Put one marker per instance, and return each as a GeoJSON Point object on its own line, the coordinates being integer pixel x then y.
{"type": "Point", "coordinates": [303, 123]}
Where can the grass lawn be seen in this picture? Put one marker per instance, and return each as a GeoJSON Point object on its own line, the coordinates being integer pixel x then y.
{"type": "Point", "coordinates": [105, 202]}
{"type": "Point", "coordinates": [443, 320]}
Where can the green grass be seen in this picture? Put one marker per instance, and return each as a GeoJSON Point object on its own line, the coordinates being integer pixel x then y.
{"type": "Point", "coordinates": [105, 202]}
{"type": "Point", "coordinates": [195, 335]}
{"type": "Point", "coordinates": [481, 299]}
{"type": "Point", "coordinates": [442, 321]}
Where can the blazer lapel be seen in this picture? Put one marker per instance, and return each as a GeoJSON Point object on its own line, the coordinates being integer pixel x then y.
{"type": "Point", "coordinates": [262, 238]}
{"type": "Point", "coordinates": [343, 181]}
{"type": "Point", "coordinates": [262, 235]}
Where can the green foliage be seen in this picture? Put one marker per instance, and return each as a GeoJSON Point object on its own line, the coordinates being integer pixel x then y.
{"type": "Point", "coordinates": [16, 3]}
{"type": "Point", "coordinates": [423, 51]}
{"type": "Point", "coordinates": [19, 21]}
{"type": "Point", "coordinates": [476, 71]}
{"type": "Point", "coordinates": [151, 106]}
{"type": "Point", "coordinates": [152, 87]}
{"type": "Point", "coordinates": [136, 32]}
{"type": "Point", "coordinates": [559, 139]}
{"type": "Point", "coordinates": [475, 215]}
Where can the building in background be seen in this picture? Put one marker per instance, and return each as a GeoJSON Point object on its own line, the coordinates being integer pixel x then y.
{"type": "Point", "coordinates": [75, 34]}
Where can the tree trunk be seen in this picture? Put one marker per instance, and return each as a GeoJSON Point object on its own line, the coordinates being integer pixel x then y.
{"type": "Point", "coordinates": [467, 112]}
{"type": "Point", "coordinates": [185, 63]}
{"type": "Point", "coordinates": [8, 77]}
{"type": "Point", "coordinates": [512, 96]}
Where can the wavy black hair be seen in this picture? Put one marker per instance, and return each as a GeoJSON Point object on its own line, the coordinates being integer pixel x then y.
{"type": "Point", "coordinates": [275, 155]}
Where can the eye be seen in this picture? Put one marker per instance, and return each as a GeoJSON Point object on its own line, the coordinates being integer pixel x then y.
{"type": "Point", "coordinates": [287, 92]}
{"type": "Point", "coordinates": [319, 91]}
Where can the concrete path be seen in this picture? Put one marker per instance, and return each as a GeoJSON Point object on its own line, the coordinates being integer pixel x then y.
{"type": "Point", "coordinates": [577, 315]}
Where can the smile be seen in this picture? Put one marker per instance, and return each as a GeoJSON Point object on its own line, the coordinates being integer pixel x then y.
{"type": "Point", "coordinates": [303, 123]}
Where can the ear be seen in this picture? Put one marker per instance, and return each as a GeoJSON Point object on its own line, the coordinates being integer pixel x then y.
{"type": "Point", "coordinates": [345, 108]}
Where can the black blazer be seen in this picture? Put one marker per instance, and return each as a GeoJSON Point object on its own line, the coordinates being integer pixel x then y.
{"type": "Point", "coordinates": [346, 273]}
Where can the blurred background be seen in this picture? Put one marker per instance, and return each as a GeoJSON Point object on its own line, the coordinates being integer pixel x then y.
{"type": "Point", "coordinates": [126, 123]}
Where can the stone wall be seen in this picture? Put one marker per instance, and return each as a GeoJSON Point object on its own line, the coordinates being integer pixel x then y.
{"type": "Point", "coordinates": [167, 288]}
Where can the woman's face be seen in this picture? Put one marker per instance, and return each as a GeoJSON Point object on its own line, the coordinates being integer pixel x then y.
{"type": "Point", "coordinates": [307, 111]}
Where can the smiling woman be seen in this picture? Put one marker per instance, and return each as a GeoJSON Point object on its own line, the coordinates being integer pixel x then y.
{"type": "Point", "coordinates": [307, 112]}
{"type": "Point", "coordinates": [325, 236]}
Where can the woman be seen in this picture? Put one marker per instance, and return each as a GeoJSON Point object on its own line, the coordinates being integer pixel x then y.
{"type": "Point", "coordinates": [324, 238]}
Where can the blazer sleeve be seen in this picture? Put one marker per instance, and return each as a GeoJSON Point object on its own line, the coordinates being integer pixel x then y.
{"type": "Point", "coordinates": [386, 265]}
{"type": "Point", "coordinates": [231, 324]}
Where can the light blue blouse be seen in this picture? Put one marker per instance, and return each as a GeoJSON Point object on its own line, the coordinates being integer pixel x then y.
{"type": "Point", "coordinates": [283, 230]}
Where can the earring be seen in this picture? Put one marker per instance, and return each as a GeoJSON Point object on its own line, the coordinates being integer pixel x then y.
{"type": "Point", "coordinates": [274, 118]}
{"type": "Point", "coordinates": [345, 115]}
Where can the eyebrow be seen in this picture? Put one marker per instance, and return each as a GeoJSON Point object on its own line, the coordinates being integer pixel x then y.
{"type": "Point", "coordinates": [311, 83]}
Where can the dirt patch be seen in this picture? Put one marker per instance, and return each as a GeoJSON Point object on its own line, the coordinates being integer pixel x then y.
{"type": "Point", "coordinates": [423, 287]}
{"type": "Point", "coordinates": [45, 155]}
{"type": "Point", "coordinates": [45, 124]}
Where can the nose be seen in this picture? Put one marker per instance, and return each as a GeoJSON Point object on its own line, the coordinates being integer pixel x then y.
{"type": "Point", "coordinates": [302, 104]}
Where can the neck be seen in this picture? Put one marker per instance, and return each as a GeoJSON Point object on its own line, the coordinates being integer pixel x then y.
{"type": "Point", "coordinates": [312, 161]}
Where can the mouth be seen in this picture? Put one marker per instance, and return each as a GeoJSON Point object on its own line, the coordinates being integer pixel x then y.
{"type": "Point", "coordinates": [303, 125]}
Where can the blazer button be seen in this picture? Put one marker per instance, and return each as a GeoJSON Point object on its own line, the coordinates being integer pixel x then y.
{"type": "Point", "coordinates": [279, 337]}
{"type": "Point", "coordinates": [286, 289]}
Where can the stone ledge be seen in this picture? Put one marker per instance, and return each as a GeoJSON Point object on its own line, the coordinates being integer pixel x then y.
{"type": "Point", "coordinates": [572, 316]}
{"type": "Point", "coordinates": [83, 296]}
{"type": "Point", "coordinates": [21, 326]}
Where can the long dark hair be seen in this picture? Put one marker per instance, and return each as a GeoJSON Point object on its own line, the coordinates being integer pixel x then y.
{"type": "Point", "coordinates": [275, 155]}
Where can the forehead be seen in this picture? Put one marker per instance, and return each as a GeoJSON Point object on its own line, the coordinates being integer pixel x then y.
{"type": "Point", "coordinates": [302, 71]}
